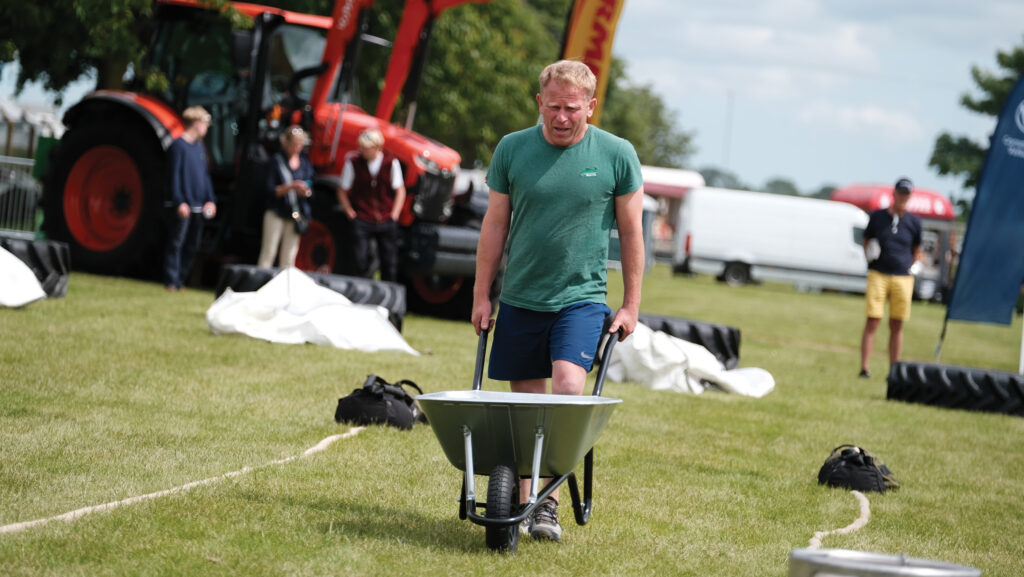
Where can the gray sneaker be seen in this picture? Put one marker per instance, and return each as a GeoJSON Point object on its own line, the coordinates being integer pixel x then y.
{"type": "Point", "coordinates": [524, 527]}
{"type": "Point", "coordinates": [544, 523]}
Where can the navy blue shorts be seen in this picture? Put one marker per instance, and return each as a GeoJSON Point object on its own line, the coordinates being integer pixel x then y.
{"type": "Point", "coordinates": [527, 342]}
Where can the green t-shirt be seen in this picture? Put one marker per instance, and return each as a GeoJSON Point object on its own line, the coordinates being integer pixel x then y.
{"type": "Point", "coordinates": [563, 209]}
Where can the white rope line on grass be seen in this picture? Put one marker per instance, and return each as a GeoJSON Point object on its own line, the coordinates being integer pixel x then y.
{"type": "Point", "coordinates": [72, 515]}
{"type": "Point", "coordinates": [865, 514]}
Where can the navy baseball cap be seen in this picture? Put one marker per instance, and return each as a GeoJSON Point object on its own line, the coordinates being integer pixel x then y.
{"type": "Point", "coordinates": [904, 186]}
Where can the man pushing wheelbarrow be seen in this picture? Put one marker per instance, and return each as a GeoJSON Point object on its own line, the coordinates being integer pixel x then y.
{"type": "Point", "coordinates": [555, 191]}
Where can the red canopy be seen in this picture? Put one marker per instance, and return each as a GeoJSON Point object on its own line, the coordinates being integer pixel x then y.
{"type": "Point", "coordinates": [869, 197]}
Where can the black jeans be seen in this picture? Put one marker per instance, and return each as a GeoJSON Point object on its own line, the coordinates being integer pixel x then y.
{"type": "Point", "coordinates": [183, 237]}
{"type": "Point", "coordinates": [385, 234]}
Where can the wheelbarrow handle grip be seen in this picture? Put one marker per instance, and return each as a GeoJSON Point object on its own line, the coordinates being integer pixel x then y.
{"type": "Point", "coordinates": [481, 351]}
{"type": "Point", "coordinates": [606, 359]}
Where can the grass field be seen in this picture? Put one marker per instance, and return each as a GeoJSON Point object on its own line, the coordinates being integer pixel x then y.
{"type": "Point", "coordinates": [119, 390]}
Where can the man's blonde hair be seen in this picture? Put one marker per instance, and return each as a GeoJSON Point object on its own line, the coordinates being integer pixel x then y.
{"type": "Point", "coordinates": [572, 72]}
{"type": "Point", "coordinates": [371, 137]}
{"type": "Point", "coordinates": [194, 114]}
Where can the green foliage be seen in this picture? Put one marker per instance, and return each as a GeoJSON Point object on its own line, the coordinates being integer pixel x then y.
{"type": "Point", "coordinates": [119, 390]}
{"type": "Point", "coordinates": [481, 76]}
{"type": "Point", "coordinates": [780, 185]}
{"type": "Point", "coordinates": [58, 42]}
{"type": "Point", "coordinates": [722, 178]}
{"type": "Point", "coordinates": [479, 83]}
{"type": "Point", "coordinates": [960, 156]}
{"type": "Point", "coordinates": [824, 192]}
{"type": "Point", "coordinates": [639, 115]}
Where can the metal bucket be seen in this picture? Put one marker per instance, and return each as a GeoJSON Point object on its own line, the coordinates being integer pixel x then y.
{"type": "Point", "coordinates": [505, 426]}
{"type": "Point", "coordinates": [845, 563]}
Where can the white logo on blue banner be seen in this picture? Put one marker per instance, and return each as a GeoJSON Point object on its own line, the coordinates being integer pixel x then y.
{"type": "Point", "coordinates": [1019, 116]}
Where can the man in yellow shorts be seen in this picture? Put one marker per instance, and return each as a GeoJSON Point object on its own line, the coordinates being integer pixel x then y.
{"type": "Point", "coordinates": [892, 245]}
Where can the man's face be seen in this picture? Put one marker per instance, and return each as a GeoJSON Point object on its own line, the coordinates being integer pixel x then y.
{"type": "Point", "coordinates": [565, 109]}
{"type": "Point", "coordinates": [369, 152]}
{"type": "Point", "coordinates": [899, 201]}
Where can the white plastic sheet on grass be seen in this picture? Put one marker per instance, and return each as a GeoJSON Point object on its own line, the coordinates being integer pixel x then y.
{"type": "Point", "coordinates": [660, 361]}
{"type": "Point", "coordinates": [18, 284]}
{"type": "Point", "coordinates": [293, 309]}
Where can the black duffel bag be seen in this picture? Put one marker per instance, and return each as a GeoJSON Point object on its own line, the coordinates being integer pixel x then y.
{"type": "Point", "coordinates": [379, 402]}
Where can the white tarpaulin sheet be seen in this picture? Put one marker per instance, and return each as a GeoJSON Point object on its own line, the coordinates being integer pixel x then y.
{"type": "Point", "coordinates": [293, 309]}
{"type": "Point", "coordinates": [663, 362]}
{"type": "Point", "coordinates": [18, 284]}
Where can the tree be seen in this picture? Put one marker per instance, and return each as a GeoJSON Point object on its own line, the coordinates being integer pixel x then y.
{"type": "Point", "coordinates": [722, 178]}
{"type": "Point", "coordinates": [58, 42]}
{"type": "Point", "coordinates": [959, 155]}
{"type": "Point", "coordinates": [479, 83]}
{"type": "Point", "coordinates": [779, 185]}
{"type": "Point", "coordinates": [637, 114]}
{"type": "Point", "coordinates": [824, 192]}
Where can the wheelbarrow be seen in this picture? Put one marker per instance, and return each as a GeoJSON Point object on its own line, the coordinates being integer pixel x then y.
{"type": "Point", "coordinates": [513, 436]}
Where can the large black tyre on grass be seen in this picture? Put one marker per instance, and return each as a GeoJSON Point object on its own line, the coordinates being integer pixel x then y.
{"type": "Point", "coordinates": [722, 341]}
{"type": "Point", "coordinates": [248, 278]}
{"type": "Point", "coordinates": [956, 387]}
{"type": "Point", "coordinates": [49, 260]}
{"type": "Point", "coordinates": [104, 197]}
{"type": "Point", "coordinates": [502, 501]}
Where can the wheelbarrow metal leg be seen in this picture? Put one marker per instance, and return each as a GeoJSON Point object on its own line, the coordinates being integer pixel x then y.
{"type": "Point", "coordinates": [538, 449]}
{"type": "Point", "coordinates": [470, 492]}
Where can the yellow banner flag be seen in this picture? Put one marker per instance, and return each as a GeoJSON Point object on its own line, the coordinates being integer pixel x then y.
{"type": "Point", "coordinates": [588, 38]}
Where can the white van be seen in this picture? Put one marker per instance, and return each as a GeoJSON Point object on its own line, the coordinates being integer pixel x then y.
{"type": "Point", "coordinates": [753, 236]}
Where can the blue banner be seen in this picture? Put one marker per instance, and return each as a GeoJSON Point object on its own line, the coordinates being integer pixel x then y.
{"type": "Point", "coordinates": [988, 279]}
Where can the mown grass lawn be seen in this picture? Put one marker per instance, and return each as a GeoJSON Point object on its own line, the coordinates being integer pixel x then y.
{"type": "Point", "coordinates": [119, 390]}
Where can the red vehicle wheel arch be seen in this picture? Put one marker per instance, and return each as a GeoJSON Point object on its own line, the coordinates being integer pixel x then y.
{"type": "Point", "coordinates": [103, 198]}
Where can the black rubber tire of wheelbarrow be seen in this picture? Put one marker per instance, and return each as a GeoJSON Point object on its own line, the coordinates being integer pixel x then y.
{"type": "Point", "coordinates": [502, 501]}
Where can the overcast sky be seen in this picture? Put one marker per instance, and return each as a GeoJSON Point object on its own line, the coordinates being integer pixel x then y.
{"type": "Point", "coordinates": [819, 92]}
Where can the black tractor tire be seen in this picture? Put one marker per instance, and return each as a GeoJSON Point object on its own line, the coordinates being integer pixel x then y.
{"type": "Point", "coordinates": [502, 502]}
{"type": "Point", "coordinates": [736, 274]}
{"type": "Point", "coordinates": [104, 198]}
{"type": "Point", "coordinates": [447, 297]}
{"type": "Point", "coordinates": [956, 387]}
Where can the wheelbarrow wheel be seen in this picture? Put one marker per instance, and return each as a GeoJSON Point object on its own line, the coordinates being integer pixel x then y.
{"type": "Point", "coordinates": [502, 500]}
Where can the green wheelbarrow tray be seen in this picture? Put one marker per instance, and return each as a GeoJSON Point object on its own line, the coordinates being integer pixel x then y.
{"type": "Point", "coordinates": [511, 436]}
{"type": "Point", "coordinates": [506, 427]}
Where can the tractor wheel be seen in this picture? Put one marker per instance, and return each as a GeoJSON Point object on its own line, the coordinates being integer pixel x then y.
{"type": "Point", "coordinates": [502, 501]}
{"type": "Point", "coordinates": [104, 198]}
{"type": "Point", "coordinates": [318, 249]}
{"type": "Point", "coordinates": [447, 297]}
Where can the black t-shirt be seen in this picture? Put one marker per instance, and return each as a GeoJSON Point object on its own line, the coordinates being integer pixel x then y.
{"type": "Point", "coordinates": [897, 241]}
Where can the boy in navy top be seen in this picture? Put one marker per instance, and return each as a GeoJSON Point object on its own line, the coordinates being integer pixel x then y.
{"type": "Point", "coordinates": [191, 195]}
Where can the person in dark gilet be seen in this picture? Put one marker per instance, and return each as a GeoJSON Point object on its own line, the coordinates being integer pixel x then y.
{"type": "Point", "coordinates": [372, 193]}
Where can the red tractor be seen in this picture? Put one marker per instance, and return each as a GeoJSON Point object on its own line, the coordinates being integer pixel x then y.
{"type": "Point", "coordinates": [106, 194]}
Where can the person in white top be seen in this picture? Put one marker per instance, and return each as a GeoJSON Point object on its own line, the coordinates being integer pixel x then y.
{"type": "Point", "coordinates": [371, 194]}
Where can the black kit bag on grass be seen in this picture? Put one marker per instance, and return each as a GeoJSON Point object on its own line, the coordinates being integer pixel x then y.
{"type": "Point", "coordinates": [852, 467]}
{"type": "Point", "coordinates": [379, 402]}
